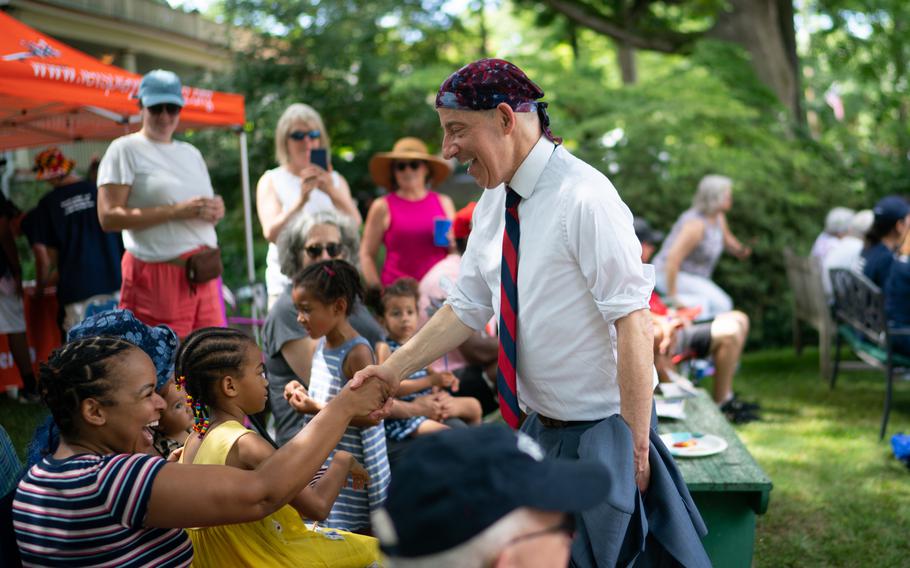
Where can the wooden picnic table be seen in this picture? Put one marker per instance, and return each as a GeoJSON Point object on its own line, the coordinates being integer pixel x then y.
{"type": "Point", "coordinates": [729, 488]}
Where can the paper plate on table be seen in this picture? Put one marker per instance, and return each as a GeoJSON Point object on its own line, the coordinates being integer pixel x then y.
{"type": "Point", "coordinates": [693, 444]}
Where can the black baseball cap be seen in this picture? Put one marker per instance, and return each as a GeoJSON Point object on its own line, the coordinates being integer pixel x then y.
{"type": "Point", "coordinates": [451, 486]}
{"type": "Point", "coordinates": [645, 233]}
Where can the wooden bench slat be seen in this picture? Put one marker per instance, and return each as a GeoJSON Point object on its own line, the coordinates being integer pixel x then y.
{"type": "Point", "coordinates": [810, 305]}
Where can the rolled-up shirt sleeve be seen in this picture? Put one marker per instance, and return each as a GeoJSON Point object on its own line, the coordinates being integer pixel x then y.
{"type": "Point", "coordinates": [599, 233]}
{"type": "Point", "coordinates": [471, 299]}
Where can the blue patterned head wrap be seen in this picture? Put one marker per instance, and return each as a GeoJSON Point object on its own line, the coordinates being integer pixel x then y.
{"type": "Point", "coordinates": [159, 342]}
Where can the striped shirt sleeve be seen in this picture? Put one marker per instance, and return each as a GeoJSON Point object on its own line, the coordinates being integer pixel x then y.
{"type": "Point", "coordinates": [129, 478]}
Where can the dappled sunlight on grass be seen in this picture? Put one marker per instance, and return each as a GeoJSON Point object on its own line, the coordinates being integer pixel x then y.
{"type": "Point", "coordinates": [839, 498]}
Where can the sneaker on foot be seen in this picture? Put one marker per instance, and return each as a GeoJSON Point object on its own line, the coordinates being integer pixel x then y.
{"type": "Point", "coordinates": [738, 403]}
{"type": "Point", "coordinates": [754, 404]}
{"type": "Point", "coordinates": [739, 415]}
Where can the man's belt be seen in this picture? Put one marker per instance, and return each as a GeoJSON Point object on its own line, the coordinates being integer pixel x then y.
{"type": "Point", "coordinates": [554, 423]}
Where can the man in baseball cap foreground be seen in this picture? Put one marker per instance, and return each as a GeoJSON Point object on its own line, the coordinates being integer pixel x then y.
{"type": "Point", "coordinates": [485, 496]}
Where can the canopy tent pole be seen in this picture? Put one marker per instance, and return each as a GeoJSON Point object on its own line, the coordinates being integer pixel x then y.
{"type": "Point", "coordinates": [9, 170]}
{"type": "Point", "coordinates": [248, 230]}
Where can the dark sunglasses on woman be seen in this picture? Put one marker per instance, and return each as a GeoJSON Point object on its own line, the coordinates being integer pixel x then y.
{"type": "Point", "coordinates": [413, 164]}
{"type": "Point", "coordinates": [315, 251]}
{"type": "Point", "coordinates": [299, 135]}
{"type": "Point", "coordinates": [171, 109]}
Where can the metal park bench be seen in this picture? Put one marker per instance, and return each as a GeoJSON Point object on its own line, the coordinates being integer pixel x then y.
{"type": "Point", "coordinates": [859, 307]}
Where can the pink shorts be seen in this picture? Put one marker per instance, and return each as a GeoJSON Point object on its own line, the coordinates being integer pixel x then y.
{"type": "Point", "coordinates": [159, 293]}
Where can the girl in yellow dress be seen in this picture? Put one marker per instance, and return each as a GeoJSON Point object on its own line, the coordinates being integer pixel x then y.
{"type": "Point", "coordinates": [222, 372]}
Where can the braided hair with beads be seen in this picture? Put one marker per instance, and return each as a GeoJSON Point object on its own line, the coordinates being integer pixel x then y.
{"type": "Point", "coordinates": [203, 359]}
{"type": "Point", "coordinates": [78, 371]}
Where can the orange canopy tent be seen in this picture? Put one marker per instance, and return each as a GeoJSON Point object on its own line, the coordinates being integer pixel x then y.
{"type": "Point", "coordinates": [51, 93]}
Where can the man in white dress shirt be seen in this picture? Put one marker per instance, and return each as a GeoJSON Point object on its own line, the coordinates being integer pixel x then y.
{"type": "Point", "coordinates": [585, 371]}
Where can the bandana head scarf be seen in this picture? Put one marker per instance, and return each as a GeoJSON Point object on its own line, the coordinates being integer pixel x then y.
{"type": "Point", "coordinates": [485, 83]}
{"type": "Point", "coordinates": [159, 342]}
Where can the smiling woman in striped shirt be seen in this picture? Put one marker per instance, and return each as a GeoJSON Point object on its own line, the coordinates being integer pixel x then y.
{"type": "Point", "coordinates": [100, 500]}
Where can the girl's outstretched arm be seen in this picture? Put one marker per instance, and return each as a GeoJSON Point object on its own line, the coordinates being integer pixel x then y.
{"type": "Point", "coordinates": [185, 496]}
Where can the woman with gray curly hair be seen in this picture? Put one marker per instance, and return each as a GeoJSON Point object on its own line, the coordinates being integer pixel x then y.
{"type": "Point", "coordinates": [306, 239]}
{"type": "Point", "coordinates": [689, 254]}
{"type": "Point", "coordinates": [321, 236]}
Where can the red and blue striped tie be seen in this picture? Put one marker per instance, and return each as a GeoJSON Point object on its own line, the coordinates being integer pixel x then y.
{"type": "Point", "coordinates": [506, 381]}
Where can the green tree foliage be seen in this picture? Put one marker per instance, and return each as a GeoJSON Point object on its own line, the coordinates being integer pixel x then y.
{"type": "Point", "coordinates": [858, 49]}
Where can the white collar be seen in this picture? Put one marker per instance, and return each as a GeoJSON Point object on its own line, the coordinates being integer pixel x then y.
{"type": "Point", "coordinates": [531, 168]}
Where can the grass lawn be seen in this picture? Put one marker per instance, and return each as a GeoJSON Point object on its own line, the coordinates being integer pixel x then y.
{"type": "Point", "coordinates": [19, 420]}
{"type": "Point", "coordinates": [839, 497]}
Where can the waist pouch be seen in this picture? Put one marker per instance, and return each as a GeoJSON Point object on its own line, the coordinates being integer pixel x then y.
{"type": "Point", "coordinates": [203, 266]}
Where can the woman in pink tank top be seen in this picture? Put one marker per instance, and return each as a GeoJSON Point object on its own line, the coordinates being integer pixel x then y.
{"type": "Point", "coordinates": [404, 219]}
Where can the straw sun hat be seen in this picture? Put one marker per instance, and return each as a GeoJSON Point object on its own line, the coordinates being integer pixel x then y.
{"type": "Point", "coordinates": [405, 149]}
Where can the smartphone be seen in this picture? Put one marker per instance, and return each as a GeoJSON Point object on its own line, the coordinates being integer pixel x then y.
{"type": "Point", "coordinates": [320, 157]}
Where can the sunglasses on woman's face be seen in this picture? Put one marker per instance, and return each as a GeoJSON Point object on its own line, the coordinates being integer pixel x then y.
{"type": "Point", "coordinates": [413, 164]}
{"type": "Point", "coordinates": [299, 135]}
{"type": "Point", "coordinates": [171, 109]}
{"type": "Point", "coordinates": [315, 251]}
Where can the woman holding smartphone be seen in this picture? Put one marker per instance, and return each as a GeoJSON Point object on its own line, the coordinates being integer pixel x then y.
{"type": "Point", "coordinates": [303, 181]}
{"type": "Point", "coordinates": [409, 219]}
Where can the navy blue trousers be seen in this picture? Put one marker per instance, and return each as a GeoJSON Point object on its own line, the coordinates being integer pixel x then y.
{"type": "Point", "coordinates": [661, 527]}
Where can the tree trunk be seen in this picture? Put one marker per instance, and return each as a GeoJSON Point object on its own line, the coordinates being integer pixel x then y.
{"type": "Point", "coordinates": [625, 56]}
{"type": "Point", "coordinates": [787, 18]}
{"type": "Point", "coordinates": [572, 30]}
{"type": "Point", "coordinates": [764, 28]}
{"type": "Point", "coordinates": [900, 73]}
{"type": "Point", "coordinates": [759, 27]}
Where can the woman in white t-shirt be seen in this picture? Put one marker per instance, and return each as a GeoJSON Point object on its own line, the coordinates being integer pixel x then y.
{"type": "Point", "coordinates": [297, 184]}
{"type": "Point", "coordinates": [157, 191]}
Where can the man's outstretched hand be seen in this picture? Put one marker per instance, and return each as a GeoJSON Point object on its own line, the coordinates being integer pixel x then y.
{"type": "Point", "coordinates": [384, 374]}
